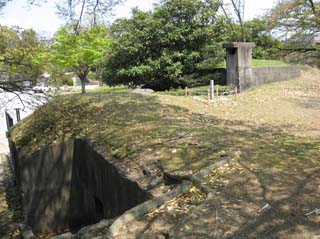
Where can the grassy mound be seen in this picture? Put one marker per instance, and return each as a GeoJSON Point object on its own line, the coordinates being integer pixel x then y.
{"type": "Point", "coordinates": [276, 127]}
{"type": "Point", "coordinates": [185, 135]}
{"type": "Point", "coordinates": [130, 127]}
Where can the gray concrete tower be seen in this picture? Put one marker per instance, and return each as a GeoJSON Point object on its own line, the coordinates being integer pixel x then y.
{"type": "Point", "coordinates": [239, 60]}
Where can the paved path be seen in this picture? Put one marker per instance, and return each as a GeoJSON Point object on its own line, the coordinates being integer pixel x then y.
{"type": "Point", "coordinates": [10, 210]}
{"type": "Point", "coordinates": [3, 140]}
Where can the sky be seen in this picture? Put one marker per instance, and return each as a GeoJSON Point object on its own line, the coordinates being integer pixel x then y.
{"type": "Point", "coordinates": [44, 20]}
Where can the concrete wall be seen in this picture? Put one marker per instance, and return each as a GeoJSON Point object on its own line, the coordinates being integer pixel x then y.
{"type": "Point", "coordinates": [241, 74]}
{"type": "Point", "coordinates": [262, 75]}
{"type": "Point", "coordinates": [69, 185]}
{"type": "Point", "coordinates": [102, 191]}
{"type": "Point", "coordinates": [45, 182]}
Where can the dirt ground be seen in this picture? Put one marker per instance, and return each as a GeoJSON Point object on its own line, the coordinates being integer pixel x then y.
{"type": "Point", "coordinates": [251, 202]}
{"type": "Point", "coordinates": [10, 210]}
{"type": "Point", "coordinates": [270, 190]}
{"type": "Point", "coordinates": [264, 194]}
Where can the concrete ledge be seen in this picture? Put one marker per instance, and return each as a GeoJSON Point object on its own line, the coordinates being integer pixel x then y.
{"type": "Point", "coordinates": [145, 207]}
{"type": "Point", "coordinates": [67, 235]}
{"type": "Point", "coordinates": [196, 179]}
{"type": "Point", "coordinates": [93, 231]}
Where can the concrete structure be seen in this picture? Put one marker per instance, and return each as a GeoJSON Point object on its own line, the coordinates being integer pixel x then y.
{"type": "Point", "coordinates": [241, 74]}
{"type": "Point", "coordinates": [239, 60]}
{"type": "Point", "coordinates": [262, 75]}
{"type": "Point", "coordinates": [70, 185]}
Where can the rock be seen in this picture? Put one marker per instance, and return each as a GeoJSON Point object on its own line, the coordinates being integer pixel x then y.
{"type": "Point", "coordinates": [98, 229]}
{"type": "Point", "coordinates": [142, 91]}
{"type": "Point", "coordinates": [67, 235]}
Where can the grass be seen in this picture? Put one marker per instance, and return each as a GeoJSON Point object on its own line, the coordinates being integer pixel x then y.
{"type": "Point", "coordinates": [130, 125]}
{"type": "Point", "coordinates": [276, 127]}
{"type": "Point", "coordinates": [108, 89]}
{"type": "Point", "coordinates": [195, 91]}
{"type": "Point", "coordinates": [259, 63]}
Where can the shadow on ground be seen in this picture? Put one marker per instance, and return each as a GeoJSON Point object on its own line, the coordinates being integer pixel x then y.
{"type": "Point", "coordinates": [276, 167]}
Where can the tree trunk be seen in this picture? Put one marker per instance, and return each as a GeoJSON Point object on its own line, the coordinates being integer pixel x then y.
{"type": "Point", "coordinates": [83, 86]}
{"type": "Point", "coordinates": [82, 73]}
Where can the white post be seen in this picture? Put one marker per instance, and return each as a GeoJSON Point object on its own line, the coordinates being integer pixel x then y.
{"type": "Point", "coordinates": [212, 90]}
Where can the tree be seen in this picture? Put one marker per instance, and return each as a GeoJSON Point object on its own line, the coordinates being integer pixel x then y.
{"type": "Point", "coordinates": [21, 57]}
{"type": "Point", "coordinates": [3, 3]}
{"type": "Point", "coordinates": [297, 22]}
{"type": "Point", "coordinates": [267, 46]}
{"type": "Point", "coordinates": [257, 31]}
{"type": "Point", "coordinates": [235, 18]}
{"type": "Point", "coordinates": [74, 11]}
{"type": "Point", "coordinates": [295, 16]}
{"type": "Point", "coordinates": [156, 49]}
{"type": "Point", "coordinates": [80, 52]}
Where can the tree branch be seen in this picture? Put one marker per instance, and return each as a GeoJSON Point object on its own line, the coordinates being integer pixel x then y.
{"type": "Point", "coordinates": [76, 30]}
{"type": "Point", "coordinates": [300, 49]}
{"type": "Point", "coordinates": [238, 13]}
{"type": "Point", "coordinates": [229, 20]}
{"type": "Point", "coordinates": [95, 13]}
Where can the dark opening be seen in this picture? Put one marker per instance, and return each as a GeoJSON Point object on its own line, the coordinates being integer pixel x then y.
{"type": "Point", "coordinates": [99, 209]}
{"type": "Point", "coordinates": [232, 51]}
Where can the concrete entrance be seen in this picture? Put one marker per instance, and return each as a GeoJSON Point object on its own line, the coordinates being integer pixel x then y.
{"type": "Point", "coordinates": [239, 64]}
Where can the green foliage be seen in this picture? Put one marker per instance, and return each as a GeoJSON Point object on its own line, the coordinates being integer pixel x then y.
{"type": "Point", "coordinates": [257, 31]}
{"type": "Point", "coordinates": [82, 51]}
{"type": "Point", "coordinates": [267, 47]}
{"type": "Point", "coordinates": [21, 53]}
{"type": "Point", "coordinates": [157, 49]}
{"type": "Point", "coordinates": [256, 62]}
{"type": "Point", "coordinates": [86, 48]}
{"type": "Point", "coordinates": [202, 77]}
